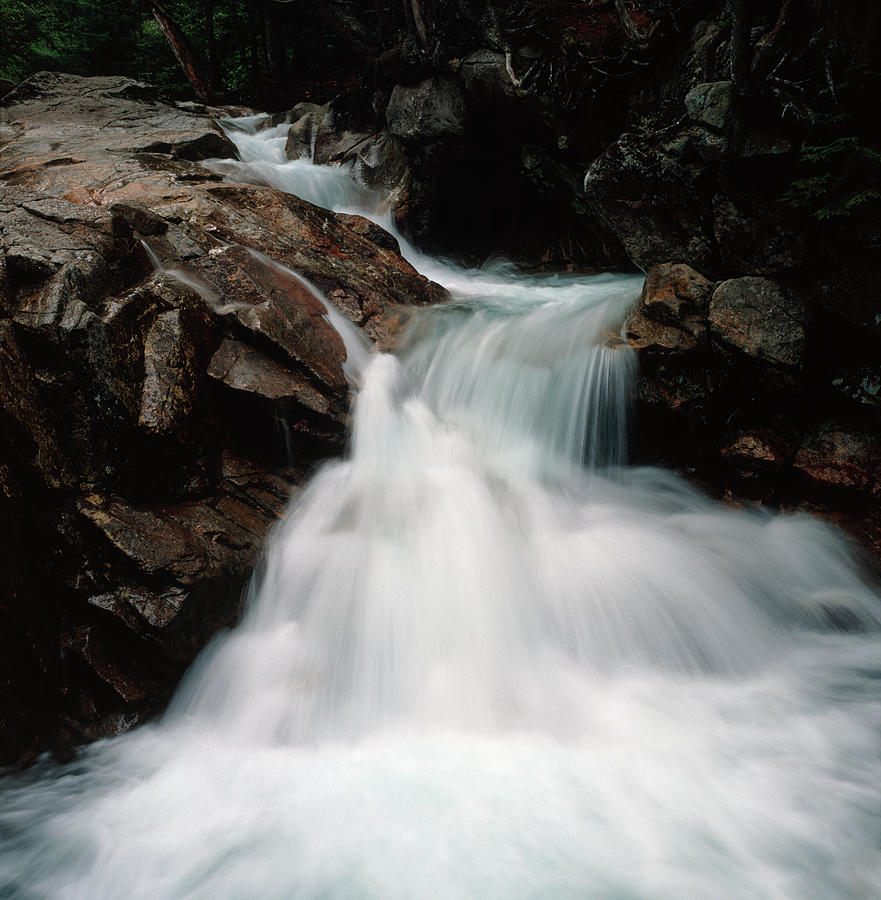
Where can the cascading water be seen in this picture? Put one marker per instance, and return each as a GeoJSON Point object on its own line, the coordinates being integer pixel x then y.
{"type": "Point", "coordinates": [485, 659]}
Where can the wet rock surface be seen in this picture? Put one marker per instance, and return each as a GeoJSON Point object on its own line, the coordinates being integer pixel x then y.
{"type": "Point", "coordinates": [673, 311]}
{"type": "Point", "coordinates": [556, 137]}
{"type": "Point", "coordinates": [153, 423]}
{"type": "Point", "coordinates": [743, 389]}
{"type": "Point", "coordinates": [651, 197]}
{"type": "Point", "coordinates": [711, 104]}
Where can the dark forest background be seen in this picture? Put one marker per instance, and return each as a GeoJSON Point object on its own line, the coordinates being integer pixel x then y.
{"type": "Point", "coordinates": [252, 50]}
{"type": "Point", "coordinates": [248, 48]}
{"type": "Point", "coordinates": [593, 58]}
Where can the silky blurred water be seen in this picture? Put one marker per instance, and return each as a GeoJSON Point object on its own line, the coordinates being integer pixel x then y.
{"type": "Point", "coordinates": [485, 658]}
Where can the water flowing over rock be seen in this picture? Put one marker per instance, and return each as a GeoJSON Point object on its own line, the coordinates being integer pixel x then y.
{"type": "Point", "coordinates": [161, 389]}
{"type": "Point", "coordinates": [481, 655]}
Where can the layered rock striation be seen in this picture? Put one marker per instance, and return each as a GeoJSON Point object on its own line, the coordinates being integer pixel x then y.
{"type": "Point", "coordinates": [164, 386]}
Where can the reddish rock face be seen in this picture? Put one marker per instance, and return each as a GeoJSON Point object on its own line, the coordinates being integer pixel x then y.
{"type": "Point", "coordinates": [668, 328]}
{"type": "Point", "coordinates": [757, 447]}
{"type": "Point", "coordinates": [835, 456]}
{"type": "Point", "coordinates": [244, 368]}
{"type": "Point", "coordinates": [152, 424]}
{"type": "Point", "coordinates": [672, 313]}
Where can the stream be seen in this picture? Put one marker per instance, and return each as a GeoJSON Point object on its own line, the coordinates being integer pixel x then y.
{"type": "Point", "coordinates": [484, 657]}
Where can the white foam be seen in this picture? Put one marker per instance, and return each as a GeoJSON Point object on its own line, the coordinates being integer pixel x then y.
{"type": "Point", "coordinates": [485, 659]}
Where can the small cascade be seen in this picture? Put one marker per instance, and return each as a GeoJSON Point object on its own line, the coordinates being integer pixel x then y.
{"type": "Point", "coordinates": [263, 161]}
{"type": "Point", "coordinates": [483, 657]}
{"type": "Point", "coordinates": [357, 346]}
{"type": "Point", "coordinates": [544, 375]}
{"type": "Point", "coordinates": [207, 293]}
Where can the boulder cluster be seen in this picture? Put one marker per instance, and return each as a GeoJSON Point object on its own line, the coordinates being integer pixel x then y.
{"type": "Point", "coordinates": [166, 380]}
{"type": "Point", "coordinates": [674, 146]}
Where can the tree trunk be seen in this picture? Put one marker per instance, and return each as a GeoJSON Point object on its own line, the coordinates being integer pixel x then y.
{"type": "Point", "coordinates": [241, 32]}
{"type": "Point", "coordinates": [213, 68]}
{"type": "Point", "coordinates": [253, 56]}
{"type": "Point", "coordinates": [184, 53]}
{"type": "Point", "coordinates": [398, 28]}
{"type": "Point", "coordinates": [345, 20]}
{"type": "Point", "coordinates": [274, 51]}
{"type": "Point", "coordinates": [257, 41]}
{"type": "Point", "coordinates": [419, 22]}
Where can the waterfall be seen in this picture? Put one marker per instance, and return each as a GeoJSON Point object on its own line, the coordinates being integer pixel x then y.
{"type": "Point", "coordinates": [486, 658]}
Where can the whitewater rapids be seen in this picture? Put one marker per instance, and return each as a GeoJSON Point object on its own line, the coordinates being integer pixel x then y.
{"type": "Point", "coordinates": [483, 658]}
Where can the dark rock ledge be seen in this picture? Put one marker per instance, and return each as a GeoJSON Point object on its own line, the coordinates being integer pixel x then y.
{"type": "Point", "coordinates": [152, 426]}
{"type": "Point", "coordinates": [756, 389]}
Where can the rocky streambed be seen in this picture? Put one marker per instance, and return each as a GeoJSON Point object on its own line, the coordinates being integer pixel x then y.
{"type": "Point", "coordinates": [164, 389]}
{"type": "Point", "coordinates": [152, 423]}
